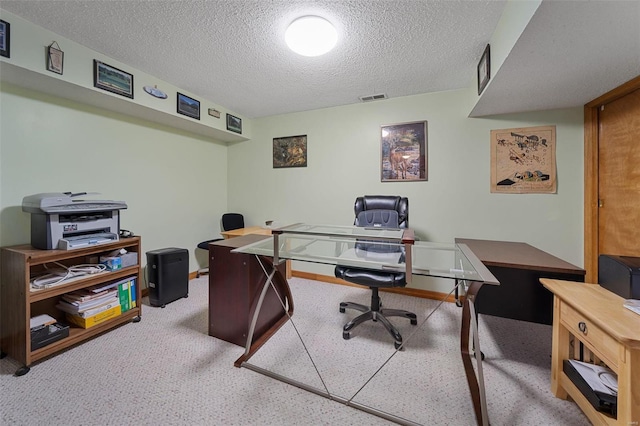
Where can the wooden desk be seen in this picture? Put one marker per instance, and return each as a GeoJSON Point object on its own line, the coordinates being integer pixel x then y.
{"type": "Point", "coordinates": [235, 282]}
{"type": "Point", "coordinates": [244, 231]}
{"type": "Point", "coordinates": [611, 333]}
{"type": "Point", "coordinates": [254, 230]}
{"type": "Point", "coordinates": [519, 267]}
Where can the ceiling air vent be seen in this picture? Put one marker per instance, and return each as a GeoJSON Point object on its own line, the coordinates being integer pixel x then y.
{"type": "Point", "coordinates": [370, 98]}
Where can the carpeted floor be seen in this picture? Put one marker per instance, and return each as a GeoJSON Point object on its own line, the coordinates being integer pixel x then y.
{"type": "Point", "coordinates": [166, 370]}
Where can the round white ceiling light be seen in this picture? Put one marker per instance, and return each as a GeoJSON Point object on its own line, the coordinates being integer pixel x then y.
{"type": "Point", "coordinates": [311, 36]}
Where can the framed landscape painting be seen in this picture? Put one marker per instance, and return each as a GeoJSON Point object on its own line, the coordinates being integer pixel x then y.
{"type": "Point", "coordinates": [188, 106]}
{"type": "Point", "coordinates": [290, 151]}
{"type": "Point", "coordinates": [112, 79]}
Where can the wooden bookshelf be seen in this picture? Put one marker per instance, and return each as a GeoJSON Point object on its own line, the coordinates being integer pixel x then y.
{"type": "Point", "coordinates": [19, 264]}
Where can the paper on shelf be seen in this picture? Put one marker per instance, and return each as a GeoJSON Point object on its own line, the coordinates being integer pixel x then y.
{"type": "Point", "coordinates": [41, 320]}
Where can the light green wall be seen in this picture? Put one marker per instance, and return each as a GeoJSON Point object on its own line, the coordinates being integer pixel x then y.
{"type": "Point", "coordinates": [178, 184]}
{"type": "Point", "coordinates": [344, 162]}
{"type": "Point", "coordinates": [174, 183]}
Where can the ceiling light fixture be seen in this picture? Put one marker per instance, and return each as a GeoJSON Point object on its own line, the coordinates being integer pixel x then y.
{"type": "Point", "coordinates": [311, 36]}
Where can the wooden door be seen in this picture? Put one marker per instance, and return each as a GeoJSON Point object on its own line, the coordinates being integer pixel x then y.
{"type": "Point", "coordinates": [619, 176]}
{"type": "Point", "coordinates": [612, 142]}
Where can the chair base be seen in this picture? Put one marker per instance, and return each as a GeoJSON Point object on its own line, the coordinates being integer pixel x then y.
{"type": "Point", "coordinates": [203, 271]}
{"type": "Point", "coordinates": [376, 315]}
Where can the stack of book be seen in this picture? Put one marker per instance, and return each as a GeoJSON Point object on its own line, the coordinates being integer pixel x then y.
{"type": "Point", "coordinates": [93, 305]}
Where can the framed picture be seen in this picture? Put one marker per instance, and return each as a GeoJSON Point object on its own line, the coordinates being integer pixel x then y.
{"type": "Point", "coordinates": [523, 160]}
{"type": "Point", "coordinates": [484, 69]}
{"type": "Point", "coordinates": [404, 152]}
{"type": "Point", "coordinates": [5, 39]}
{"type": "Point", "coordinates": [290, 151]}
{"type": "Point", "coordinates": [112, 79]}
{"type": "Point", "coordinates": [55, 58]}
{"type": "Point", "coordinates": [234, 123]}
{"type": "Point", "coordinates": [188, 106]}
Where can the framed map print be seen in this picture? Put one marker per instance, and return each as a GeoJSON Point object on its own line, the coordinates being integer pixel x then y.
{"type": "Point", "coordinates": [523, 160]}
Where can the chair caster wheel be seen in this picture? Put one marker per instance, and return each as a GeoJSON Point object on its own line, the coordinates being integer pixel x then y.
{"type": "Point", "coordinates": [342, 310]}
{"type": "Point", "coordinates": [22, 371]}
{"type": "Point", "coordinates": [458, 304]}
{"type": "Point", "coordinates": [346, 335]}
{"type": "Point", "coordinates": [481, 355]}
{"type": "Point", "coordinates": [397, 345]}
{"type": "Point", "coordinates": [414, 322]}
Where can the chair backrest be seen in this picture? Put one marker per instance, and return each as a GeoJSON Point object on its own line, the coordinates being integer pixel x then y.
{"type": "Point", "coordinates": [231, 221]}
{"type": "Point", "coordinates": [382, 202]}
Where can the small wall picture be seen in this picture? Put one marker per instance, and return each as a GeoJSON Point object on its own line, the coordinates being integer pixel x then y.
{"type": "Point", "coordinates": [55, 58]}
{"type": "Point", "coordinates": [5, 39]}
{"type": "Point", "coordinates": [234, 123]}
{"type": "Point", "coordinates": [112, 79]}
{"type": "Point", "coordinates": [484, 69]}
{"type": "Point", "coordinates": [290, 151]}
{"type": "Point", "coordinates": [404, 152]}
{"type": "Point", "coordinates": [188, 106]}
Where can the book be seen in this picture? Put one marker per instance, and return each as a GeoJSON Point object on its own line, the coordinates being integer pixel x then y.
{"type": "Point", "coordinates": [123, 295]}
{"type": "Point", "coordinates": [132, 289]}
{"type": "Point", "coordinates": [71, 309]}
{"type": "Point", "coordinates": [84, 295]}
{"type": "Point", "coordinates": [84, 305]}
{"type": "Point", "coordinates": [95, 319]}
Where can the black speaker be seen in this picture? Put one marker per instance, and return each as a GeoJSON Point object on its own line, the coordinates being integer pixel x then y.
{"type": "Point", "coordinates": [167, 275]}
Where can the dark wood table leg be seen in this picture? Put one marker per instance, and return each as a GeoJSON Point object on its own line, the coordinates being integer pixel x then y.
{"type": "Point", "coordinates": [468, 354]}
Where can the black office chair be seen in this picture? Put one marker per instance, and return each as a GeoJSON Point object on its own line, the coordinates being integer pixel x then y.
{"type": "Point", "coordinates": [229, 222]}
{"type": "Point", "coordinates": [378, 211]}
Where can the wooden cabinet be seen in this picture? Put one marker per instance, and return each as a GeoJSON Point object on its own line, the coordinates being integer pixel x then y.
{"type": "Point", "coordinates": [20, 302]}
{"type": "Point", "coordinates": [596, 319]}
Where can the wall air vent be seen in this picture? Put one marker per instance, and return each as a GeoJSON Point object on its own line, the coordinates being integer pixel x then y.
{"type": "Point", "coordinates": [370, 98]}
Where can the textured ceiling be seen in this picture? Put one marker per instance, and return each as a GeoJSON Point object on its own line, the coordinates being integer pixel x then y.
{"type": "Point", "coordinates": [233, 53]}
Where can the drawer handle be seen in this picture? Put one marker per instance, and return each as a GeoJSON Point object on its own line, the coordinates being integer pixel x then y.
{"type": "Point", "coordinates": [582, 326]}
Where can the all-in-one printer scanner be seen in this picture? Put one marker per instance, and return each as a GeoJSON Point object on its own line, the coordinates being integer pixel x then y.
{"type": "Point", "coordinates": [64, 221]}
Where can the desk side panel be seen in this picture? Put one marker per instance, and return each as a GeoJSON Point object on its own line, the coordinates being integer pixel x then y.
{"type": "Point", "coordinates": [520, 295]}
{"type": "Point", "coordinates": [228, 295]}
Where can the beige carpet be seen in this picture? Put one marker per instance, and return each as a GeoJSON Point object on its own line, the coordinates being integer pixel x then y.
{"type": "Point", "coordinates": [166, 370]}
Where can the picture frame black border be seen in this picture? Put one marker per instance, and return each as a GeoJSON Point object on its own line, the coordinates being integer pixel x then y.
{"type": "Point", "coordinates": [50, 67]}
{"type": "Point", "coordinates": [231, 127]}
{"type": "Point", "coordinates": [6, 52]}
{"type": "Point", "coordinates": [96, 80]}
{"type": "Point", "coordinates": [285, 138]}
{"type": "Point", "coordinates": [483, 80]}
{"type": "Point", "coordinates": [187, 112]}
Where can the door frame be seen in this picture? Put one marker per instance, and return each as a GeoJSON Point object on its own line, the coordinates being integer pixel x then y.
{"type": "Point", "coordinates": [591, 161]}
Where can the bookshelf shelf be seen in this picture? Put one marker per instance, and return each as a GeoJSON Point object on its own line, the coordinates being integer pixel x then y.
{"type": "Point", "coordinates": [20, 303]}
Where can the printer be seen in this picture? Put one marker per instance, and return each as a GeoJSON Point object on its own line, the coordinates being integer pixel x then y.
{"type": "Point", "coordinates": [65, 221]}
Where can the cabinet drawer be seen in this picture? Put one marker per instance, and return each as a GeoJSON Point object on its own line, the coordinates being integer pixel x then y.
{"type": "Point", "coordinates": [594, 337]}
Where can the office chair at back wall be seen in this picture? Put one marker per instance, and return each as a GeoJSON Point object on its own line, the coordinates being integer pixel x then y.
{"type": "Point", "coordinates": [378, 211]}
{"type": "Point", "coordinates": [229, 222]}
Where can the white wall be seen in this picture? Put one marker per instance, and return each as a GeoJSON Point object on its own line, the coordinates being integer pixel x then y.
{"type": "Point", "coordinates": [175, 183]}
{"type": "Point", "coordinates": [344, 162]}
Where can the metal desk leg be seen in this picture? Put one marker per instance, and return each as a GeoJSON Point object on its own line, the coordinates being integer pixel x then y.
{"type": "Point", "coordinates": [283, 293]}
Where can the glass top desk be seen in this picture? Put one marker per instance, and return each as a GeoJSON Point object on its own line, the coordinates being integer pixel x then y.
{"type": "Point", "coordinates": [336, 245]}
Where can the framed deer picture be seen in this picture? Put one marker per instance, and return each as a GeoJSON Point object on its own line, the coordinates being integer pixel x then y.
{"type": "Point", "coordinates": [403, 152]}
